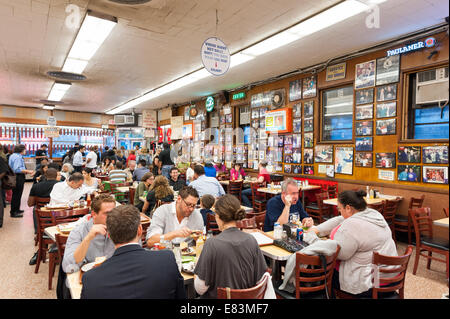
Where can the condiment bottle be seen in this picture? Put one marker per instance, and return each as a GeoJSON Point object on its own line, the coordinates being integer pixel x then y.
{"type": "Point", "coordinates": [199, 246]}
{"type": "Point", "coordinates": [88, 200]}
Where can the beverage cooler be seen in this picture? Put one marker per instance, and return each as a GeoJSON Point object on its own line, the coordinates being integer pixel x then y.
{"type": "Point", "coordinates": [130, 138]}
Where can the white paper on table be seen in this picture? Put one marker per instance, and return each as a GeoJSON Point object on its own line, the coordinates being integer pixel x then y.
{"type": "Point", "coordinates": [262, 239]}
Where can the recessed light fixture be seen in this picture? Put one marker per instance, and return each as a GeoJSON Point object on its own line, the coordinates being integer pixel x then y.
{"type": "Point", "coordinates": [320, 21]}
{"type": "Point", "coordinates": [58, 91]}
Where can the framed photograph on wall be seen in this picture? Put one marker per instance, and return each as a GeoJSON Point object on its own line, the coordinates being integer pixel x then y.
{"type": "Point", "coordinates": [297, 125]}
{"type": "Point", "coordinates": [295, 90]}
{"type": "Point", "coordinates": [308, 109]}
{"type": "Point", "coordinates": [364, 96]}
{"type": "Point", "coordinates": [387, 109]}
{"type": "Point", "coordinates": [287, 139]}
{"type": "Point", "coordinates": [387, 92]}
{"type": "Point", "coordinates": [364, 128]}
{"type": "Point", "coordinates": [408, 173]}
{"type": "Point", "coordinates": [364, 159]}
{"type": "Point", "coordinates": [308, 170]}
{"type": "Point", "coordinates": [262, 112]}
{"type": "Point", "coordinates": [385, 160]}
{"type": "Point", "coordinates": [323, 154]}
{"type": "Point", "coordinates": [343, 160]}
{"type": "Point", "coordinates": [297, 155]}
{"type": "Point", "coordinates": [297, 169]}
{"type": "Point", "coordinates": [363, 144]}
{"type": "Point", "coordinates": [288, 159]}
{"type": "Point", "coordinates": [297, 141]}
{"type": "Point", "coordinates": [288, 149]}
{"type": "Point", "coordinates": [409, 154]}
{"type": "Point", "coordinates": [435, 154]}
{"type": "Point", "coordinates": [388, 69]}
{"type": "Point", "coordinates": [435, 174]}
{"type": "Point", "coordinates": [330, 171]}
{"type": "Point", "coordinates": [308, 140]}
{"type": "Point", "coordinates": [365, 74]}
{"type": "Point", "coordinates": [308, 125]}
{"type": "Point", "coordinates": [309, 87]}
{"type": "Point", "coordinates": [287, 168]}
{"type": "Point", "coordinates": [364, 112]}
{"type": "Point", "coordinates": [308, 156]}
{"type": "Point", "coordinates": [386, 127]}
{"type": "Point", "coordinates": [297, 110]}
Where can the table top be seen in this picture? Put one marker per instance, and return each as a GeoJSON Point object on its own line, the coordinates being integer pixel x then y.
{"type": "Point", "coordinates": [333, 201]}
{"type": "Point", "coordinates": [274, 252]}
{"type": "Point", "coordinates": [228, 182]}
{"type": "Point", "coordinates": [441, 222]}
{"type": "Point", "coordinates": [274, 191]}
{"type": "Point", "coordinates": [123, 189]}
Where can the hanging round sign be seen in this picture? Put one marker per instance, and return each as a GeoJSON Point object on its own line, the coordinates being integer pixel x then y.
{"type": "Point", "coordinates": [215, 56]}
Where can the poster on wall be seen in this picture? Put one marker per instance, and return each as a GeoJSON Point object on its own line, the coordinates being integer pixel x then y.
{"type": "Point", "coordinates": [322, 169]}
{"type": "Point", "coordinates": [279, 121]}
{"type": "Point", "coordinates": [435, 174]}
{"type": "Point", "coordinates": [295, 90]}
{"type": "Point", "coordinates": [188, 130]}
{"type": "Point", "coordinates": [323, 154]}
{"type": "Point", "coordinates": [343, 160]}
{"type": "Point", "coordinates": [308, 109]}
{"type": "Point", "coordinates": [365, 75]}
{"type": "Point", "coordinates": [308, 170]}
{"type": "Point", "coordinates": [149, 119]}
{"type": "Point", "coordinates": [309, 87]}
{"type": "Point", "coordinates": [408, 173]}
{"type": "Point", "coordinates": [176, 123]}
{"type": "Point", "coordinates": [309, 140]}
{"type": "Point", "coordinates": [388, 69]}
{"type": "Point", "coordinates": [330, 170]}
{"type": "Point", "coordinates": [308, 156]}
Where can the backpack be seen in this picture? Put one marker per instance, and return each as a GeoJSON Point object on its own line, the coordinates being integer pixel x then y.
{"type": "Point", "coordinates": [9, 180]}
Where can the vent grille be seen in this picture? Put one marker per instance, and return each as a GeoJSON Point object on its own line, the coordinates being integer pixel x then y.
{"type": "Point", "coordinates": [130, 2]}
{"type": "Point", "coordinates": [66, 76]}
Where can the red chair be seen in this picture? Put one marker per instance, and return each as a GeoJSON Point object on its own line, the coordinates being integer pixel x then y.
{"type": "Point", "coordinates": [259, 199]}
{"type": "Point", "coordinates": [320, 212]}
{"type": "Point", "coordinates": [446, 211]}
{"type": "Point", "coordinates": [256, 292]}
{"type": "Point", "coordinates": [389, 211]}
{"type": "Point", "coordinates": [246, 223]}
{"type": "Point", "coordinates": [425, 242]}
{"type": "Point", "coordinates": [235, 188]}
{"type": "Point", "coordinates": [211, 224]}
{"type": "Point", "coordinates": [403, 223]}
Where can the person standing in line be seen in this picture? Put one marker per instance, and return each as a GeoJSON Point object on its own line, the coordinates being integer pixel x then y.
{"type": "Point", "coordinates": [17, 164]}
{"type": "Point", "coordinates": [3, 170]}
{"type": "Point", "coordinates": [78, 159]}
{"type": "Point", "coordinates": [166, 161]}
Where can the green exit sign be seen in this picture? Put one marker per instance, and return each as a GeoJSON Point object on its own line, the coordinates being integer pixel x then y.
{"type": "Point", "coordinates": [238, 96]}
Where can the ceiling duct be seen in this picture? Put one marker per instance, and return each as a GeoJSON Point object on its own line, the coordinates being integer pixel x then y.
{"type": "Point", "coordinates": [66, 76]}
{"type": "Point", "coordinates": [130, 2]}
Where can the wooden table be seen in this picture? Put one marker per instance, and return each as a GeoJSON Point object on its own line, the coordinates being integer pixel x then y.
{"type": "Point", "coordinates": [303, 189]}
{"type": "Point", "coordinates": [271, 191]}
{"type": "Point", "coordinates": [245, 182]}
{"type": "Point", "coordinates": [441, 222]}
{"type": "Point", "coordinates": [369, 201]}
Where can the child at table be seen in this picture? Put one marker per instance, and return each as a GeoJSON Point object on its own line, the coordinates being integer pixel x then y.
{"type": "Point", "coordinates": [206, 203]}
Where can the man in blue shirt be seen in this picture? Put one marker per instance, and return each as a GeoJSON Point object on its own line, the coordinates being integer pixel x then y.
{"type": "Point", "coordinates": [17, 164]}
{"type": "Point", "coordinates": [206, 185]}
{"type": "Point", "coordinates": [280, 207]}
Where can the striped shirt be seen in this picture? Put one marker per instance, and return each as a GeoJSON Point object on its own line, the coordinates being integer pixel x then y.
{"type": "Point", "coordinates": [117, 175]}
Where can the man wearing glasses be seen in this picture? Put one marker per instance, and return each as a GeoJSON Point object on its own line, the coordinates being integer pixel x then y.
{"type": "Point", "coordinates": [177, 219]}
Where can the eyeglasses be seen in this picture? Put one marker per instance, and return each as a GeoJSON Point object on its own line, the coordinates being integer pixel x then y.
{"type": "Point", "coordinates": [188, 205]}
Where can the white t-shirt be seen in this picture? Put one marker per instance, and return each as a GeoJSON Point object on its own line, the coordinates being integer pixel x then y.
{"type": "Point", "coordinates": [62, 193]}
{"type": "Point", "coordinates": [93, 163]}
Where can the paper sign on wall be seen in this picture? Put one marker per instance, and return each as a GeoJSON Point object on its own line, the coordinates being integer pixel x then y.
{"type": "Point", "coordinates": [386, 175]}
{"type": "Point", "coordinates": [176, 123]}
{"type": "Point", "coordinates": [149, 119]}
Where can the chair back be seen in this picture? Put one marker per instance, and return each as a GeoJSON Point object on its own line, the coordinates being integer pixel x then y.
{"type": "Point", "coordinates": [446, 211]}
{"type": "Point", "coordinates": [332, 191]}
{"type": "Point", "coordinates": [61, 244]}
{"type": "Point", "coordinates": [256, 292]}
{"type": "Point", "coordinates": [211, 224]}
{"type": "Point", "coordinates": [41, 201]}
{"type": "Point", "coordinates": [390, 210]}
{"type": "Point", "coordinates": [416, 202]}
{"type": "Point", "coordinates": [395, 283]}
{"type": "Point", "coordinates": [120, 196]}
{"type": "Point", "coordinates": [235, 188]}
{"type": "Point", "coordinates": [131, 194]}
{"type": "Point", "coordinates": [259, 219]}
{"type": "Point", "coordinates": [246, 223]}
{"type": "Point", "coordinates": [315, 274]}
{"type": "Point", "coordinates": [320, 197]}
{"type": "Point", "coordinates": [144, 234]}
{"type": "Point", "coordinates": [422, 222]}
{"type": "Point", "coordinates": [377, 206]}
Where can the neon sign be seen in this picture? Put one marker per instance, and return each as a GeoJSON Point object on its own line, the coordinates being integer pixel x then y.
{"type": "Point", "coordinates": [428, 43]}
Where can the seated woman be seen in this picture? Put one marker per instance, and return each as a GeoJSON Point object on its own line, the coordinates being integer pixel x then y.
{"type": "Point", "coordinates": [359, 231]}
{"type": "Point", "coordinates": [159, 190]}
{"type": "Point", "coordinates": [146, 182]}
{"type": "Point", "coordinates": [66, 170]}
{"type": "Point", "coordinates": [156, 166]}
{"type": "Point", "coordinates": [263, 177]}
{"type": "Point", "coordinates": [232, 258]}
{"type": "Point", "coordinates": [107, 165]}
{"type": "Point", "coordinates": [40, 174]}
{"type": "Point", "coordinates": [90, 182]}
{"type": "Point", "coordinates": [237, 172]}
{"type": "Point", "coordinates": [221, 170]}
{"type": "Point", "coordinates": [210, 171]}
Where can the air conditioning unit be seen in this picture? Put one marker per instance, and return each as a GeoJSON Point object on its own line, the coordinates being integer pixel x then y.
{"type": "Point", "coordinates": [125, 119]}
{"type": "Point", "coordinates": [432, 86]}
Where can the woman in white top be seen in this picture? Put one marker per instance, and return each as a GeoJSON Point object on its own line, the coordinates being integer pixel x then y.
{"type": "Point", "coordinates": [90, 182]}
{"type": "Point", "coordinates": [66, 170]}
{"type": "Point", "coordinates": [190, 173]}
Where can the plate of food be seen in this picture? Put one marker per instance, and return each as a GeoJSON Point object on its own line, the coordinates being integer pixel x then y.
{"type": "Point", "coordinates": [188, 267]}
{"type": "Point", "coordinates": [196, 233]}
{"type": "Point", "coordinates": [98, 261]}
{"type": "Point", "coordinates": [188, 251]}
{"type": "Point", "coordinates": [65, 228]}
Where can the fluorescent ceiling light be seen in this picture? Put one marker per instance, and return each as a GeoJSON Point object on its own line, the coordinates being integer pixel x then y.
{"type": "Point", "coordinates": [58, 91]}
{"type": "Point", "coordinates": [48, 107]}
{"type": "Point", "coordinates": [74, 65]}
{"type": "Point", "coordinates": [327, 18]}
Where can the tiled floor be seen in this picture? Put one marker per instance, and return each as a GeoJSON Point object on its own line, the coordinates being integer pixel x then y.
{"type": "Point", "coordinates": [18, 280]}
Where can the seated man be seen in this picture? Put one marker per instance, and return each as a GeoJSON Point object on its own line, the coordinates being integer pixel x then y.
{"type": "Point", "coordinates": [42, 189]}
{"type": "Point", "coordinates": [280, 207]}
{"type": "Point", "coordinates": [70, 190]}
{"type": "Point", "coordinates": [176, 219]}
{"type": "Point", "coordinates": [175, 181]}
{"type": "Point", "coordinates": [133, 272]}
{"type": "Point", "coordinates": [206, 185]}
{"type": "Point", "coordinates": [89, 240]}
{"type": "Point", "coordinates": [140, 171]}
{"type": "Point", "coordinates": [118, 175]}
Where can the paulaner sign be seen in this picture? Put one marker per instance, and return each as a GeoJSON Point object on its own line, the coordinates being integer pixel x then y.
{"type": "Point", "coordinates": [428, 43]}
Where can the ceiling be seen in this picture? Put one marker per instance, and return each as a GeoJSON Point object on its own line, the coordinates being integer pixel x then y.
{"type": "Point", "coordinates": [157, 42]}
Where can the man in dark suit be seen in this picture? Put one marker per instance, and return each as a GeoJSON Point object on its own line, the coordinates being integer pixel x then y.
{"type": "Point", "coordinates": [132, 272]}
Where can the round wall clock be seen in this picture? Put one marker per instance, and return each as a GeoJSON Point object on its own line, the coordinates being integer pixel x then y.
{"type": "Point", "coordinates": [193, 111]}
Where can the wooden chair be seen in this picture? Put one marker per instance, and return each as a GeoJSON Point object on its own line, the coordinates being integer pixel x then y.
{"type": "Point", "coordinates": [332, 191]}
{"type": "Point", "coordinates": [389, 286]}
{"type": "Point", "coordinates": [39, 202]}
{"type": "Point", "coordinates": [389, 211]}
{"type": "Point", "coordinates": [446, 211]}
{"type": "Point", "coordinates": [144, 234]}
{"type": "Point", "coordinates": [246, 223]}
{"type": "Point", "coordinates": [61, 246]}
{"type": "Point", "coordinates": [310, 277]}
{"type": "Point", "coordinates": [259, 219]}
{"type": "Point", "coordinates": [377, 206]}
{"type": "Point", "coordinates": [425, 242]}
{"type": "Point", "coordinates": [259, 199]}
{"type": "Point", "coordinates": [321, 211]}
{"type": "Point", "coordinates": [121, 197]}
{"type": "Point", "coordinates": [131, 194]}
{"type": "Point", "coordinates": [235, 188]}
{"type": "Point", "coordinates": [403, 223]}
{"type": "Point", "coordinates": [256, 292]}
{"type": "Point", "coordinates": [211, 224]}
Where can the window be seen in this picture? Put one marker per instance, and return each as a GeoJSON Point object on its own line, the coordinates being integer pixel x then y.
{"type": "Point", "coordinates": [337, 121]}
{"type": "Point", "coordinates": [428, 118]}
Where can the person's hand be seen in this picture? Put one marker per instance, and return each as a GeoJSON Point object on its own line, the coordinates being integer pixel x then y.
{"type": "Point", "coordinates": [288, 200]}
{"type": "Point", "coordinates": [32, 173]}
{"type": "Point", "coordinates": [97, 229]}
{"type": "Point", "coordinates": [183, 232]}
{"type": "Point", "coordinates": [308, 222]}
